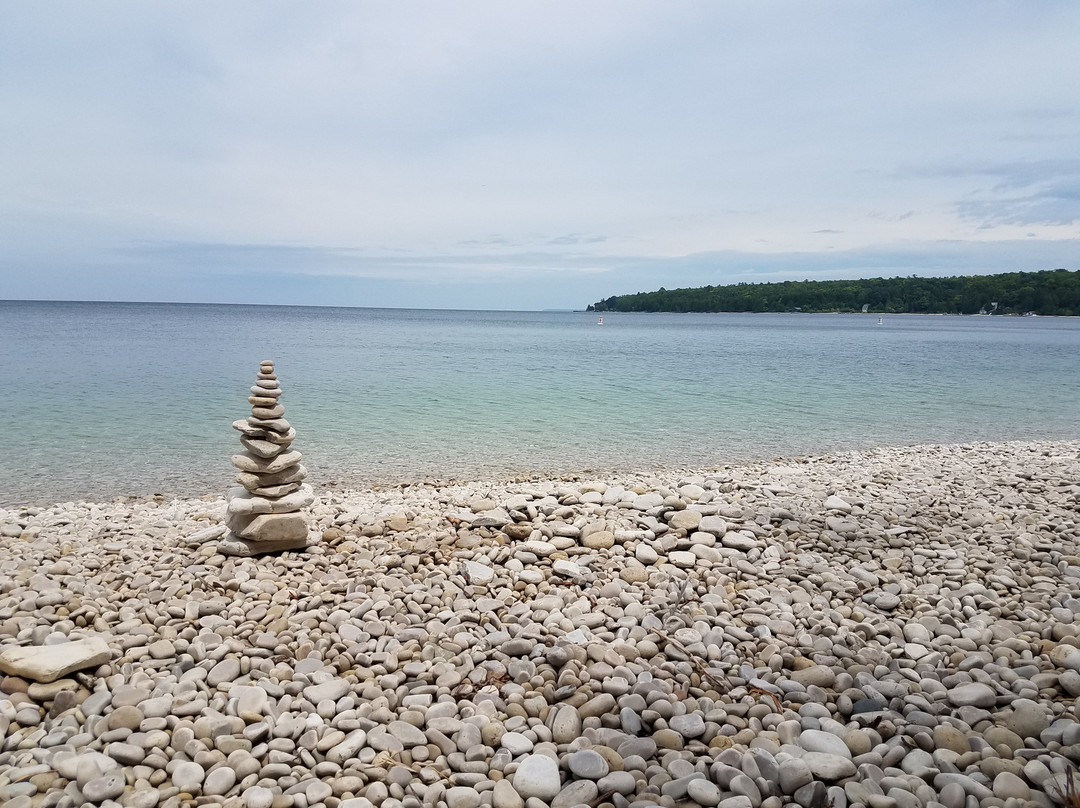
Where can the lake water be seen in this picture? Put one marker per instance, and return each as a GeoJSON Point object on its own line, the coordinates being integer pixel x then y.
{"type": "Point", "coordinates": [112, 399]}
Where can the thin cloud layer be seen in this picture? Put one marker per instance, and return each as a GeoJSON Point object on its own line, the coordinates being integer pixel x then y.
{"type": "Point", "coordinates": [465, 154]}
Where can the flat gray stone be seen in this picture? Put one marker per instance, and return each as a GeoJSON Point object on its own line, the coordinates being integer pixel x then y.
{"type": "Point", "coordinates": [588, 764]}
{"type": "Point", "coordinates": [244, 503]}
{"type": "Point", "coordinates": [703, 792]}
{"type": "Point", "coordinates": [406, 733]}
{"type": "Point", "coordinates": [332, 690]}
{"type": "Point", "coordinates": [233, 545]}
{"type": "Point", "coordinates": [816, 740]}
{"type": "Point", "coordinates": [975, 694]}
{"type": "Point", "coordinates": [690, 725]}
{"type": "Point", "coordinates": [219, 781]}
{"type": "Point", "coordinates": [227, 670]}
{"type": "Point", "coordinates": [462, 797]}
{"type": "Point", "coordinates": [107, 787]}
{"type": "Point", "coordinates": [188, 776]}
{"type": "Point", "coordinates": [829, 767]}
{"type": "Point", "coordinates": [47, 663]}
{"type": "Point", "coordinates": [578, 792]}
{"type": "Point", "coordinates": [258, 465]}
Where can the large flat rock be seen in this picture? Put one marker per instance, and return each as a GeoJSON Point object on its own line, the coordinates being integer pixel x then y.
{"type": "Point", "coordinates": [233, 545]}
{"type": "Point", "coordinates": [242, 502]}
{"type": "Point", "coordinates": [293, 474]}
{"type": "Point", "coordinates": [276, 527]}
{"type": "Point", "coordinates": [47, 663]}
{"type": "Point", "coordinates": [257, 465]}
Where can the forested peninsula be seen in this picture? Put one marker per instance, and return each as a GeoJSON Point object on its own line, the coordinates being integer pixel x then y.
{"type": "Point", "coordinates": [1045, 293]}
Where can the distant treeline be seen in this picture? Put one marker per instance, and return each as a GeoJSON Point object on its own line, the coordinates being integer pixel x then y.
{"type": "Point", "coordinates": [1050, 292]}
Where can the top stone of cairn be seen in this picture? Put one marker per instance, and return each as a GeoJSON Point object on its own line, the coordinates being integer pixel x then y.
{"type": "Point", "coordinates": [266, 514]}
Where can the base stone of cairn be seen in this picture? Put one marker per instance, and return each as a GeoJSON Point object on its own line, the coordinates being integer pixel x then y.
{"type": "Point", "coordinates": [266, 513]}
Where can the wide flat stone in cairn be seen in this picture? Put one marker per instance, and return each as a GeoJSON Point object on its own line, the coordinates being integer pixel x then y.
{"type": "Point", "coordinates": [265, 514]}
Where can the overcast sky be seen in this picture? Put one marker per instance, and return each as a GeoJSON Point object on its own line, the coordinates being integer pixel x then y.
{"type": "Point", "coordinates": [517, 155]}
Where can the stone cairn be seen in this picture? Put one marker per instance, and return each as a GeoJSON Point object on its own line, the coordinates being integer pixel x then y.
{"type": "Point", "coordinates": [265, 514]}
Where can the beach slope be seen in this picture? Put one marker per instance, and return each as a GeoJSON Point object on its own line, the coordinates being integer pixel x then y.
{"type": "Point", "coordinates": [895, 627]}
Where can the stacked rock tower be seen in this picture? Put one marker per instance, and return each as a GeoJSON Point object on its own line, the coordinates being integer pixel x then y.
{"type": "Point", "coordinates": [266, 514]}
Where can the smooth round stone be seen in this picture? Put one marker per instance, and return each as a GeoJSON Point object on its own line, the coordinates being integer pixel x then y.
{"type": "Point", "coordinates": [619, 782]}
{"type": "Point", "coordinates": [126, 754]}
{"type": "Point", "coordinates": [601, 540]}
{"type": "Point", "coordinates": [734, 540]}
{"type": "Point", "coordinates": [828, 766]}
{"type": "Point", "coordinates": [640, 747]}
{"type": "Point", "coordinates": [816, 740]}
{"type": "Point", "coordinates": [566, 725]}
{"type": "Point", "coordinates": [738, 801]}
{"type": "Point", "coordinates": [685, 520]}
{"type": "Point", "coordinates": [461, 797]}
{"type": "Point", "coordinates": [690, 725]}
{"type": "Point", "coordinates": [1069, 681]}
{"type": "Point", "coordinates": [703, 792]}
{"type": "Point", "coordinates": [161, 649]}
{"type": "Point", "coordinates": [225, 671]}
{"type": "Point", "coordinates": [820, 675]}
{"type": "Point", "coordinates": [537, 776]}
{"type": "Point", "coordinates": [406, 733]}
{"type": "Point", "coordinates": [1065, 656]}
{"type": "Point", "coordinates": [887, 601]}
{"type": "Point", "coordinates": [597, 706]}
{"type": "Point", "coordinates": [1007, 785]}
{"type": "Point", "coordinates": [1028, 719]}
{"type": "Point", "coordinates": [949, 737]}
{"type": "Point", "coordinates": [920, 764]}
{"type": "Point", "coordinates": [682, 558]}
{"type": "Point", "coordinates": [588, 764]}
{"type": "Point", "coordinates": [668, 739]}
{"type": "Point", "coordinates": [975, 694]}
{"type": "Point", "coordinates": [317, 791]}
{"type": "Point", "coordinates": [646, 554]}
{"type": "Point", "coordinates": [516, 743]}
{"type": "Point", "coordinates": [188, 777]}
{"type": "Point", "coordinates": [126, 695]}
{"type": "Point", "coordinates": [219, 781]}
{"type": "Point", "coordinates": [251, 702]}
{"type": "Point", "coordinates": [867, 706]}
{"type": "Point", "coordinates": [126, 717]}
{"type": "Point", "coordinates": [258, 797]}
{"type": "Point", "coordinates": [793, 774]}
{"type": "Point", "coordinates": [107, 787]}
{"type": "Point", "coordinates": [952, 795]}
{"type": "Point", "coordinates": [504, 796]}
{"type": "Point", "coordinates": [578, 792]}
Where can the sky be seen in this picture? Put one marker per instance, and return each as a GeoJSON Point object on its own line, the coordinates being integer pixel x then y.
{"type": "Point", "coordinates": [507, 155]}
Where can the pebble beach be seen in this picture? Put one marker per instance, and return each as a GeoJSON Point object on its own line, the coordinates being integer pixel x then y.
{"type": "Point", "coordinates": [883, 629]}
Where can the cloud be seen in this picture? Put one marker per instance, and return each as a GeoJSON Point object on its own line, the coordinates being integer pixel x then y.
{"type": "Point", "coordinates": [1056, 203]}
{"type": "Point", "coordinates": [577, 238]}
{"type": "Point", "coordinates": [224, 150]}
{"type": "Point", "coordinates": [1049, 191]}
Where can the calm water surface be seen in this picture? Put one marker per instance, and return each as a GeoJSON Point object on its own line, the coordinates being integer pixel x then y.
{"type": "Point", "coordinates": [111, 399]}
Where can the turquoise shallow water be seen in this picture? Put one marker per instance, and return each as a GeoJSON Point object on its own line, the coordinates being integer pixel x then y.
{"type": "Point", "coordinates": [104, 399]}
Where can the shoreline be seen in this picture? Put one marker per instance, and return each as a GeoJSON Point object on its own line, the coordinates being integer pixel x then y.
{"type": "Point", "coordinates": [894, 626]}
{"type": "Point", "coordinates": [658, 473]}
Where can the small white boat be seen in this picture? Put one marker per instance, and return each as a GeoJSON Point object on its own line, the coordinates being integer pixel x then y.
{"type": "Point", "coordinates": [600, 321]}
{"type": "Point", "coordinates": [879, 321]}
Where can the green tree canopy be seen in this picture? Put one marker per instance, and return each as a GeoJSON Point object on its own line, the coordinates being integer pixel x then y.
{"type": "Point", "coordinates": [1049, 292]}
